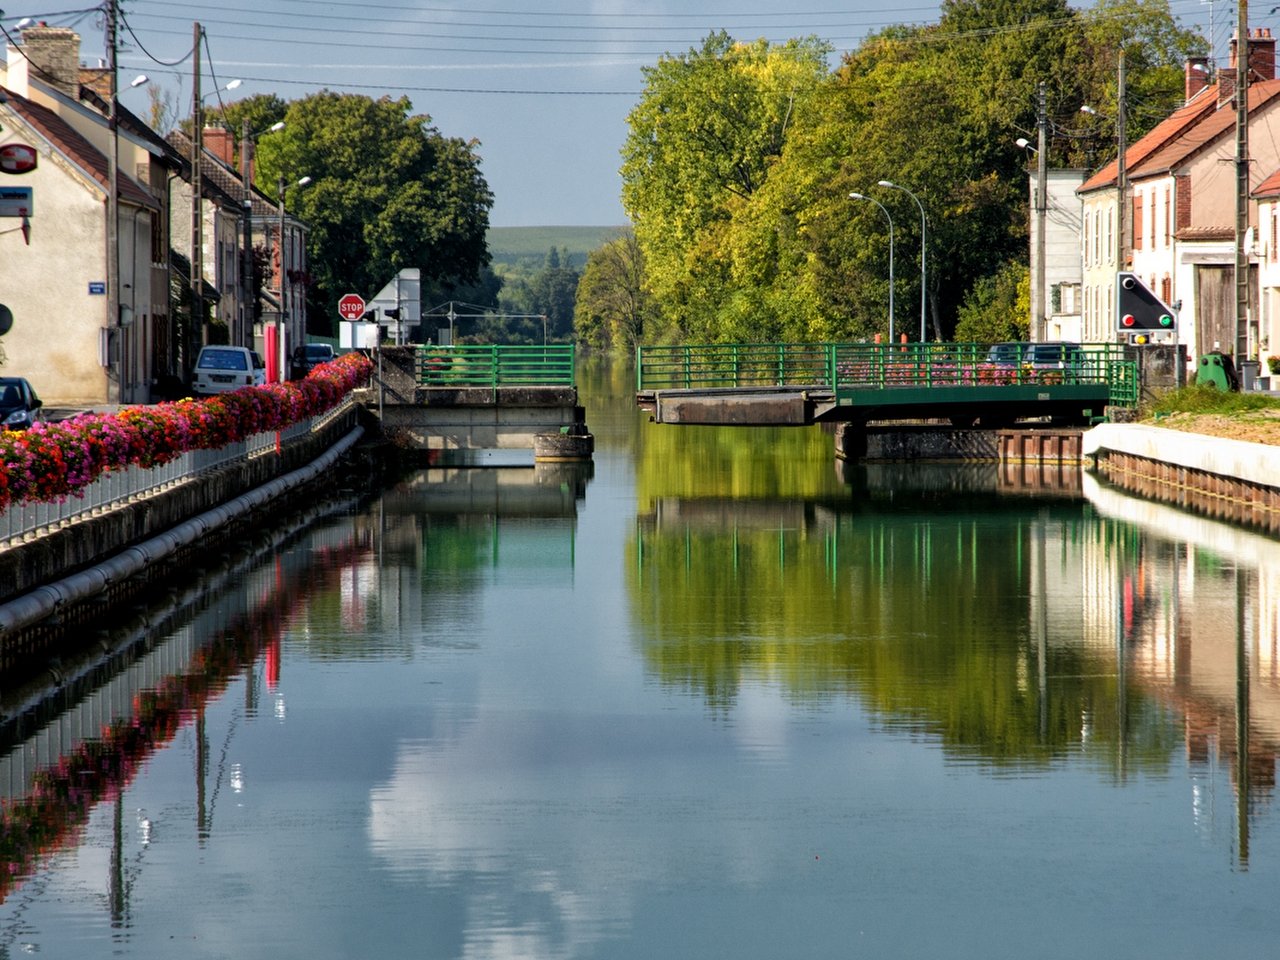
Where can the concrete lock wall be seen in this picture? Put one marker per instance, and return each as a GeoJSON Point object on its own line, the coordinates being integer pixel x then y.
{"type": "Point", "coordinates": [464, 418]}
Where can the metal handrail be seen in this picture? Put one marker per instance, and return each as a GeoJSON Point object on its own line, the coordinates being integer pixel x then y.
{"type": "Point", "coordinates": [496, 365]}
{"type": "Point", "coordinates": [22, 522]}
{"type": "Point", "coordinates": [733, 365]}
{"type": "Point", "coordinates": [860, 366]}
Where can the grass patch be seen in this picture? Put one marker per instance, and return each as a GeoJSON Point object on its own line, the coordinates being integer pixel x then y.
{"type": "Point", "coordinates": [1210, 400]}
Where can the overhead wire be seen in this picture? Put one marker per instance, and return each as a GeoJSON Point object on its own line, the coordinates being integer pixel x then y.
{"type": "Point", "coordinates": [592, 15]}
{"type": "Point", "coordinates": [163, 63]}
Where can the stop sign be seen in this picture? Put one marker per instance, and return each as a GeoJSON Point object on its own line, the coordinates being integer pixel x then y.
{"type": "Point", "coordinates": [351, 307]}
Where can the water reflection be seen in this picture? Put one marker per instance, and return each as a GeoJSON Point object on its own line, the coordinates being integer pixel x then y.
{"type": "Point", "coordinates": [573, 713]}
{"type": "Point", "coordinates": [993, 609]}
{"type": "Point", "coordinates": [69, 748]}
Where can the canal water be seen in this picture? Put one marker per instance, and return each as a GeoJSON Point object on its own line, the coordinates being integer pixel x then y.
{"type": "Point", "coordinates": [714, 696]}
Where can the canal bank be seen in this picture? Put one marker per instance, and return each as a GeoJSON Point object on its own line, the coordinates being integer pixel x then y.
{"type": "Point", "coordinates": [60, 582]}
{"type": "Point", "coordinates": [1219, 477]}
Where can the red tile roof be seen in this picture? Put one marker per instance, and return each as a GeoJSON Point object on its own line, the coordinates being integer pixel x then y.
{"type": "Point", "coordinates": [1165, 132]}
{"type": "Point", "coordinates": [1194, 138]}
{"type": "Point", "coordinates": [1269, 187]}
{"type": "Point", "coordinates": [76, 148]}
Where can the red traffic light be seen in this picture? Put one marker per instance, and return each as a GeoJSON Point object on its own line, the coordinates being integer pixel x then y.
{"type": "Point", "coordinates": [1128, 320]}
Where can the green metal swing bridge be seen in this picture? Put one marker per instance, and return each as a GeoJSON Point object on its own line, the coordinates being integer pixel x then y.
{"type": "Point", "coordinates": [794, 384]}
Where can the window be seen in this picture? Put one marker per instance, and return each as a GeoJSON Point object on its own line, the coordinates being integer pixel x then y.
{"type": "Point", "coordinates": [1088, 219]}
{"type": "Point", "coordinates": [159, 249]}
{"type": "Point", "coordinates": [1274, 219]}
{"type": "Point", "coordinates": [1168, 233]}
{"type": "Point", "coordinates": [1111, 252]}
{"type": "Point", "coordinates": [1166, 288]}
{"type": "Point", "coordinates": [1138, 222]}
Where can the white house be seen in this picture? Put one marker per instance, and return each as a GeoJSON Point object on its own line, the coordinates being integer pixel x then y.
{"type": "Point", "coordinates": [1179, 233]}
{"type": "Point", "coordinates": [1063, 271]}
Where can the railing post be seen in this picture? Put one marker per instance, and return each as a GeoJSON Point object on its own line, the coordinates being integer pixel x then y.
{"type": "Point", "coordinates": [687, 360]}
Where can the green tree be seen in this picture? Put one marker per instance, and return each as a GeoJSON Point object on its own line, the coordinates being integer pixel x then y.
{"type": "Point", "coordinates": [549, 293]}
{"type": "Point", "coordinates": [614, 307]}
{"type": "Point", "coordinates": [262, 110]}
{"type": "Point", "coordinates": [388, 191]}
{"type": "Point", "coordinates": [997, 307]}
{"type": "Point", "coordinates": [709, 127]}
{"type": "Point", "coordinates": [775, 249]}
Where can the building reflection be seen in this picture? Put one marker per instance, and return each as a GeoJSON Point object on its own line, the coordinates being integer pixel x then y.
{"type": "Point", "coordinates": [1019, 623]}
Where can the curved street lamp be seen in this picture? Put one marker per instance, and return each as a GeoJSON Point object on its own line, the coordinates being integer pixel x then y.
{"type": "Point", "coordinates": [894, 186]}
{"type": "Point", "coordinates": [885, 211]}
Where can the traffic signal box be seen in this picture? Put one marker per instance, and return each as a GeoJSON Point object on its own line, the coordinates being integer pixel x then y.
{"type": "Point", "coordinates": [1141, 314]}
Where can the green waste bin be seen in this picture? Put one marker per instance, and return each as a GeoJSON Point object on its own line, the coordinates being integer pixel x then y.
{"type": "Point", "coordinates": [1216, 370]}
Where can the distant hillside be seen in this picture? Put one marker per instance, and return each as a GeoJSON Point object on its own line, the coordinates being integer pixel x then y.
{"type": "Point", "coordinates": [511, 245]}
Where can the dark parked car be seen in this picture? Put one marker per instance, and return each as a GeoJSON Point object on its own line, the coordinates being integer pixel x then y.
{"type": "Point", "coordinates": [1005, 354]}
{"type": "Point", "coordinates": [18, 403]}
{"type": "Point", "coordinates": [306, 359]}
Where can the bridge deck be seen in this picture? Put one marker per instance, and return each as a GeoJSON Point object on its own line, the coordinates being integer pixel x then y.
{"type": "Point", "coordinates": [793, 385]}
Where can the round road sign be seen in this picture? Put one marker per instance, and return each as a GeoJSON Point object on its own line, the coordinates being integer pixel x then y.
{"type": "Point", "coordinates": [351, 307]}
{"type": "Point", "coordinates": [18, 158]}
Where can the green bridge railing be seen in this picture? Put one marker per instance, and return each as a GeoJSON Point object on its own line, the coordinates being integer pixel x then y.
{"type": "Point", "coordinates": [496, 365]}
{"type": "Point", "coordinates": [845, 367]}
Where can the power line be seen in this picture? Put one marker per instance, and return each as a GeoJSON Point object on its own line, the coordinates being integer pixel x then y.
{"type": "Point", "coordinates": [361, 7]}
{"type": "Point", "coordinates": [402, 22]}
{"type": "Point", "coordinates": [340, 41]}
{"type": "Point", "coordinates": [55, 13]}
{"type": "Point", "coordinates": [163, 63]}
{"type": "Point", "coordinates": [411, 89]}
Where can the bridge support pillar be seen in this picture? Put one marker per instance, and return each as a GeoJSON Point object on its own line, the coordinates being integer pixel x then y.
{"type": "Point", "coordinates": [851, 441]}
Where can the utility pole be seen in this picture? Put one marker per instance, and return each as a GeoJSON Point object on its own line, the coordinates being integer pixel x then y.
{"type": "Point", "coordinates": [194, 334]}
{"type": "Point", "coordinates": [114, 393]}
{"type": "Point", "coordinates": [282, 371]}
{"type": "Point", "coordinates": [1122, 147]}
{"type": "Point", "coordinates": [1039, 310]}
{"type": "Point", "coordinates": [245, 338]}
{"type": "Point", "coordinates": [1242, 184]}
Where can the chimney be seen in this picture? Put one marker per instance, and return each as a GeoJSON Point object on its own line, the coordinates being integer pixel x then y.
{"type": "Point", "coordinates": [1196, 73]}
{"type": "Point", "coordinates": [54, 57]}
{"type": "Point", "coordinates": [219, 142]}
{"type": "Point", "coordinates": [1262, 54]}
{"type": "Point", "coordinates": [1226, 85]}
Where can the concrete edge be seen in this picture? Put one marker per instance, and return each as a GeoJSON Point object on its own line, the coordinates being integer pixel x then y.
{"type": "Point", "coordinates": [1256, 463]}
{"type": "Point", "coordinates": [31, 608]}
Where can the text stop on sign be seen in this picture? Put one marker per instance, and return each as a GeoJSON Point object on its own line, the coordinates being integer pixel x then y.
{"type": "Point", "coordinates": [351, 307]}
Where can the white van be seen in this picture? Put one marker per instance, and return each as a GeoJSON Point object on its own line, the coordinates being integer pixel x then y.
{"type": "Point", "coordinates": [220, 369]}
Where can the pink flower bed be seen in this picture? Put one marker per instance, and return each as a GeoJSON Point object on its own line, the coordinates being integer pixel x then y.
{"type": "Point", "coordinates": [53, 461]}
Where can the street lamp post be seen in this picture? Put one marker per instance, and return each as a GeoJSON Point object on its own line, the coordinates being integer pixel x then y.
{"type": "Point", "coordinates": [885, 211]}
{"type": "Point", "coordinates": [923, 248]}
{"type": "Point", "coordinates": [282, 358]}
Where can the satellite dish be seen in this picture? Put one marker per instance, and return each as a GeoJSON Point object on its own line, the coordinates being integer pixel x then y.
{"type": "Point", "coordinates": [6, 319]}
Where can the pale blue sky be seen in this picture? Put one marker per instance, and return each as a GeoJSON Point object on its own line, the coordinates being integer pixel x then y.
{"type": "Point", "coordinates": [550, 151]}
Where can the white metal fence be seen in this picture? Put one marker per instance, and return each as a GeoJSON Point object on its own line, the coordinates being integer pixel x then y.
{"type": "Point", "coordinates": [27, 521]}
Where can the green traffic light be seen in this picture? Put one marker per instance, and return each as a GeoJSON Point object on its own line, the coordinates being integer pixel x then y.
{"type": "Point", "coordinates": [1166, 320]}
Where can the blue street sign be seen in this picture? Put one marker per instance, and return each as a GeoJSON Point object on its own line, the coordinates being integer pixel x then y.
{"type": "Point", "coordinates": [16, 202]}
{"type": "Point", "coordinates": [97, 288]}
